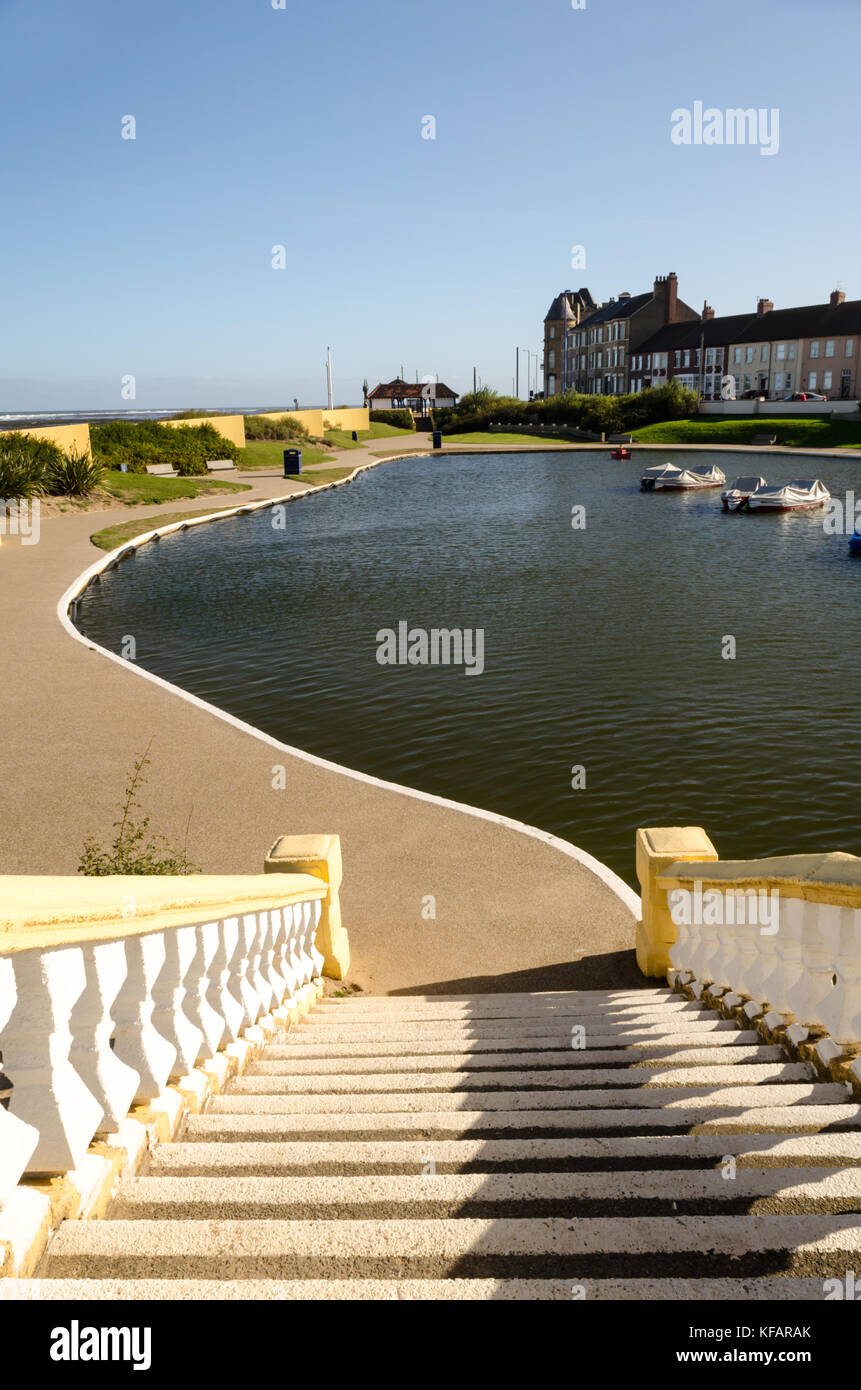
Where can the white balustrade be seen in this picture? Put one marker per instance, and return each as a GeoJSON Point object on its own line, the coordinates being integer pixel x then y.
{"type": "Point", "coordinates": [88, 1030]}
{"type": "Point", "coordinates": [788, 996]}
{"type": "Point", "coordinates": [17, 1139]}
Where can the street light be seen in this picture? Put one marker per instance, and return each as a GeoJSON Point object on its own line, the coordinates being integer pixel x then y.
{"type": "Point", "coordinates": [529, 355]}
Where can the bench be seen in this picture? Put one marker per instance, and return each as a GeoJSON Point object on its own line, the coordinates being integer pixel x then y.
{"type": "Point", "coordinates": [764, 439]}
{"type": "Point", "coordinates": [161, 470]}
{"type": "Point", "coordinates": [221, 465]}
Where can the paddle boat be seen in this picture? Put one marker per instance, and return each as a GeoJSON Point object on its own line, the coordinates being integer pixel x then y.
{"type": "Point", "coordinates": [855, 543]}
{"type": "Point", "coordinates": [798, 495]}
{"type": "Point", "coordinates": [620, 453]}
{"type": "Point", "coordinates": [667, 477]}
{"type": "Point", "coordinates": [735, 498]}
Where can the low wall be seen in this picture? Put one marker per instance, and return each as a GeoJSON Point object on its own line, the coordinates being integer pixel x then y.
{"type": "Point", "coordinates": [316, 421]}
{"type": "Point", "coordinates": [232, 427]}
{"type": "Point", "coordinates": [774, 409]}
{"type": "Point", "coordinates": [67, 436]}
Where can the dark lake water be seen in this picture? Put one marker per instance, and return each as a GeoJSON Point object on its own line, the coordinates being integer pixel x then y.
{"type": "Point", "coordinates": [602, 646]}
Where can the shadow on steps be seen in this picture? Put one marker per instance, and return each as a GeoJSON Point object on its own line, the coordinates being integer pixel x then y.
{"type": "Point", "coordinates": [610, 970]}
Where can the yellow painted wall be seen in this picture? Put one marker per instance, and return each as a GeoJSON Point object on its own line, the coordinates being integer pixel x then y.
{"type": "Point", "coordinates": [67, 436]}
{"type": "Point", "coordinates": [231, 426]}
{"type": "Point", "coordinates": [316, 421]}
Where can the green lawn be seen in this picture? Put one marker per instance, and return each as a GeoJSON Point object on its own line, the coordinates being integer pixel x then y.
{"type": "Point", "coordinates": [343, 439]}
{"type": "Point", "coordinates": [137, 488]}
{"type": "Point", "coordinates": [809, 432]}
{"type": "Point", "coordinates": [269, 453]}
{"type": "Point", "coordinates": [112, 536]}
{"type": "Point", "coordinates": [500, 437]}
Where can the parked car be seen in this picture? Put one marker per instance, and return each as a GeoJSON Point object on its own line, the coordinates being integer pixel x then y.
{"type": "Point", "coordinates": [805, 396]}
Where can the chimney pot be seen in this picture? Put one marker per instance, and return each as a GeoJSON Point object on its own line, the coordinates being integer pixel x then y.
{"type": "Point", "coordinates": [764, 306]}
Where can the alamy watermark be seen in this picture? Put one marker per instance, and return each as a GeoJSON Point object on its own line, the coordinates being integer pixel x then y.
{"type": "Point", "coordinates": [842, 515]}
{"type": "Point", "coordinates": [753, 907]}
{"type": "Point", "coordinates": [21, 517]}
{"type": "Point", "coordinates": [709, 125]}
{"type": "Point", "coordinates": [437, 646]}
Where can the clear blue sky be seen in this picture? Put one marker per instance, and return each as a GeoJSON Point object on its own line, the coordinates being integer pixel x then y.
{"type": "Point", "coordinates": [302, 126]}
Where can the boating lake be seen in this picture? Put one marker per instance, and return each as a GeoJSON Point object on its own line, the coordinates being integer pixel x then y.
{"type": "Point", "coordinates": [602, 646]}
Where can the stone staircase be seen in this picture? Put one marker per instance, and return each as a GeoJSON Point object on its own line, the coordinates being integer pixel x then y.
{"type": "Point", "coordinates": [625, 1144]}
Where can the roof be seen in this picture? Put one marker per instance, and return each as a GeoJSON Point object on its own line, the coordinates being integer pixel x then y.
{"type": "Point", "coordinates": [808, 321]}
{"type": "Point", "coordinates": [561, 306]}
{"type": "Point", "coordinates": [620, 308]}
{"type": "Point", "coordinates": [411, 390]}
{"type": "Point", "coordinates": [712, 332]}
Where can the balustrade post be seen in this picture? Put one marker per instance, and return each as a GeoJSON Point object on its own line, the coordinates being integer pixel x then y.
{"type": "Point", "coordinates": [199, 979]}
{"type": "Point", "coordinates": [137, 1041]}
{"type": "Point", "coordinates": [169, 994]}
{"type": "Point", "coordinates": [17, 1139]}
{"type": "Point", "coordinates": [47, 1091]}
{"type": "Point", "coordinates": [106, 1076]}
{"type": "Point", "coordinates": [320, 856]}
{"type": "Point", "coordinates": [658, 848]}
{"type": "Point", "coordinates": [224, 993]}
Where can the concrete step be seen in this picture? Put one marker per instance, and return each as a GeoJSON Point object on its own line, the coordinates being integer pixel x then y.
{"type": "Point", "coordinates": [410, 1001]}
{"type": "Point", "coordinates": [244, 1100]}
{"type": "Point", "coordinates": [284, 1060]}
{"type": "Point", "coordinates": [506, 1029]}
{"type": "Point", "coordinates": [545, 1247]}
{"type": "Point", "coordinates": [448, 1195]}
{"type": "Point", "coordinates": [563, 1016]}
{"type": "Point", "coordinates": [341, 1290]}
{"type": "Point", "coordinates": [450, 1124]}
{"type": "Point", "coordinates": [301, 1046]}
{"type": "Point", "coordinates": [391, 1157]}
{"type": "Point", "coordinates": [282, 1078]}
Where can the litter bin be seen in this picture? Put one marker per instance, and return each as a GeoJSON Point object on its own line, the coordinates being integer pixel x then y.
{"type": "Point", "coordinates": [437, 439]}
{"type": "Point", "coordinates": [355, 436]}
{"type": "Point", "coordinates": [292, 461]}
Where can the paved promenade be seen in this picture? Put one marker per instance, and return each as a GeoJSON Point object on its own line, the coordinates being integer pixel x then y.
{"type": "Point", "coordinates": [513, 912]}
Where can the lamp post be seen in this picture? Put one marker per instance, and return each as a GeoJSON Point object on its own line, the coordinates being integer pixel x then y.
{"type": "Point", "coordinates": [528, 352]}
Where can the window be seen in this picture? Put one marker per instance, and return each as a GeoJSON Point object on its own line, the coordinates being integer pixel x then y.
{"type": "Point", "coordinates": [748, 355]}
{"type": "Point", "coordinates": [790, 352]}
{"type": "Point", "coordinates": [826, 381]}
{"type": "Point", "coordinates": [811, 381]}
{"type": "Point", "coordinates": [850, 346]}
{"type": "Point", "coordinates": [747, 383]}
{"type": "Point", "coordinates": [552, 330]}
{"type": "Point", "coordinates": [736, 356]}
{"type": "Point", "coordinates": [552, 361]}
{"type": "Point", "coordinates": [789, 381]}
{"type": "Point", "coordinates": [551, 386]}
{"type": "Point", "coordinates": [814, 349]}
{"type": "Point", "coordinates": [829, 347]}
{"type": "Point", "coordinates": [778, 381]}
{"type": "Point", "coordinates": [763, 353]}
{"type": "Point", "coordinates": [781, 351]}
{"type": "Point", "coordinates": [677, 358]}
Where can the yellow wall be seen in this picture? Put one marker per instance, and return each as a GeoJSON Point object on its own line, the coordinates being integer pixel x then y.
{"type": "Point", "coordinates": [67, 436]}
{"type": "Point", "coordinates": [316, 421]}
{"type": "Point", "coordinates": [231, 426]}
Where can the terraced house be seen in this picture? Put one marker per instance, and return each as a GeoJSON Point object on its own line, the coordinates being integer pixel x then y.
{"type": "Point", "coordinates": [811, 348]}
{"type": "Point", "coordinates": [695, 353]}
{"type": "Point", "coordinates": [598, 349]}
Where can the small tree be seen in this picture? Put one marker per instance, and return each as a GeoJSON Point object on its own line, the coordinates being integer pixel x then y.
{"type": "Point", "coordinates": [134, 849]}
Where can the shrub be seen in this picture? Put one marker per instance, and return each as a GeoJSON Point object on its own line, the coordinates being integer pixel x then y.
{"type": "Point", "coordinates": [256, 427]}
{"type": "Point", "coordinates": [400, 419]}
{"type": "Point", "coordinates": [24, 464]}
{"type": "Point", "coordinates": [143, 442]}
{"type": "Point", "coordinates": [74, 474]}
{"type": "Point", "coordinates": [134, 848]}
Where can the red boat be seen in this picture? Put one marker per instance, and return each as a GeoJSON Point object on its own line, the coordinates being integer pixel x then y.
{"type": "Point", "coordinates": [620, 454]}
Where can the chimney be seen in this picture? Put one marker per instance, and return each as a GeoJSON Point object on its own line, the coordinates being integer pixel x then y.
{"type": "Point", "coordinates": [764, 306]}
{"type": "Point", "coordinates": [667, 289]}
{"type": "Point", "coordinates": [708, 312]}
{"type": "Point", "coordinates": [837, 297]}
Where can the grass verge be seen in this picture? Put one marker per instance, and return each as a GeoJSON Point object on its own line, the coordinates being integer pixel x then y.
{"type": "Point", "coordinates": [112, 536]}
{"type": "Point", "coordinates": [321, 475]}
{"type": "Point", "coordinates": [136, 489]}
{"type": "Point", "coordinates": [809, 432]}
{"type": "Point", "coordinates": [269, 453]}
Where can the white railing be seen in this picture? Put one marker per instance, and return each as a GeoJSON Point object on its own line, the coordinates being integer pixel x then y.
{"type": "Point", "coordinates": [89, 1028]}
{"type": "Point", "coordinates": [782, 935]}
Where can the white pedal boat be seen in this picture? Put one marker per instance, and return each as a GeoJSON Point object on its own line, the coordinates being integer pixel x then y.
{"type": "Point", "coordinates": [742, 489]}
{"type": "Point", "coordinates": [667, 477]}
{"type": "Point", "coordinates": [798, 495]}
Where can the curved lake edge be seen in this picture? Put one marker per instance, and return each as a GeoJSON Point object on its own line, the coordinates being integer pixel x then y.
{"type": "Point", "coordinates": [65, 613]}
